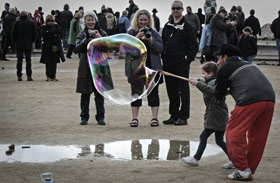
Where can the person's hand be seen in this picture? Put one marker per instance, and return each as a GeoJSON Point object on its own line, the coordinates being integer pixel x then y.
{"type": "Point", "coordinates": [140, 34]}
{"type": "Point", "coordinates": [194, 81]}
{"type": "Point", "coordinates": [233, 23]}
{"type": "Point", "coordinates": [94, 33]}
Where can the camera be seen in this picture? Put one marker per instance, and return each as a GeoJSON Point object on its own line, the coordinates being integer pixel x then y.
{"type": "Point", "coordinates": [93, 32]}
{"type": "Point", "coordinates": [147, 32]}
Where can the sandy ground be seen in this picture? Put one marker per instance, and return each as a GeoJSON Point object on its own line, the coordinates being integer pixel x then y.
{"type": "Point", "coordinates": [47, 113]}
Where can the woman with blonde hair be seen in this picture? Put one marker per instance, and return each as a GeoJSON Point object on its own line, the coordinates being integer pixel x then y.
{"type": "Point", "coordinates": [142, 28]}
{"type": "Point", "coordinates": [52, 51]}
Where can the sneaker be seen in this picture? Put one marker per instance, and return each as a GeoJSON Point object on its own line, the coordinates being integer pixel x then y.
{"type": "Point", "coordinates": [241, 175]}
{"type": "Point", "coordinates": [101, 122]}
{"type": "Point", "coordinates": [191, 161]}
{"type": "Point", "coordinates": [228, 165]}
{"type": "Point", "coordinates": [169, 121]}
{"type": "Point", "coordinates": [29, 79]}
{"type": "Point", "coordinates": [84, 122]}
{"type": "Point", "coordinates": [181, 122]}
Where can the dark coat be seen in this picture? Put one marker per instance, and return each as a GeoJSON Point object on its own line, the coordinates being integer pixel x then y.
{"type": "Point", "coordinates": [8, 23]}
{"type": "Point", "coordinates": [254, 23]}
{"type": "Point", "coordinates": [24, 33]}
{"type": "Point", "coordinates": [179, 43]}
{"type": "Point", "coordinates": [216, 114]}
{"type": "Point", "coordinates": [248, 46]}
{"type": "Point", "coordinates": [275, 27]}
{"type": "Point", "coordinates": [218, 31]}
{"type": "Point", "coordinates": [67, 16]}
{"type": "Point", "coordinates": [51, 36]}
{"type": "Point", "coordinates": [84, 80]}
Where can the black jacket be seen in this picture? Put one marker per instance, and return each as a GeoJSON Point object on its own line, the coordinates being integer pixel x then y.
{"type": "Point", "coordinates": [24, 33]}
{"type": "Point", "coordinates": [51, 36]}
{"type": "Point", "coordinates": [179, 43]}
{"type": "Point", "coordinates": [67, 16]}
{"type": "Point", "coordinates": [275, 27]}
{"type": "Point", "coordinates": [248, 46]}
{"type": "Point", "coordinates": [8, 23]}
{"type": "Point", "coordinates": [254, 23]}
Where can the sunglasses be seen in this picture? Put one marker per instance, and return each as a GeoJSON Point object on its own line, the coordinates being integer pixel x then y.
{"type": "Point", "coordinates": [176, 8]}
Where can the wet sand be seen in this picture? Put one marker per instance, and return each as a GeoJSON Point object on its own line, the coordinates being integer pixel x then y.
{"type": "Point", "coordinates": [47, 113]}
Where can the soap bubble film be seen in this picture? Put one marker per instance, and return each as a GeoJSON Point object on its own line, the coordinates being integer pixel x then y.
{"type": "Point", "coordinates": [114, 77]}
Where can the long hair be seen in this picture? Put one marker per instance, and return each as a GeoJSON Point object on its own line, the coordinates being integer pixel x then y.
{"type": "Point", "coordinates": [134, 23]}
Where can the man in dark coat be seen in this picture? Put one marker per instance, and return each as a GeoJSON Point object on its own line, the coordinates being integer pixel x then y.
{"type": "Point", "coordinates": [156, 20]}
{"type": "Point", "coordinates": [179, 51]}
{"type": "Point", "coordinates": [275, 28]}
{"type": "Point", "coordinates": [254, 23]}
{"type": "Point", "coordinates": [7, 27]}
{"type": "Point", "coordinates": [218, 31]}
{"type": "Point", "coordinates": [67, 16]}
{"type": "Point", "coordinates": [24, 34]}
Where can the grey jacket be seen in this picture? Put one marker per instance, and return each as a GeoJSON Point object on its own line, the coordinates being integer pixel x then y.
{"type": "Point", "coordinates": [216, 114]}
{"type": "Point", "coordinates": [218, 31]}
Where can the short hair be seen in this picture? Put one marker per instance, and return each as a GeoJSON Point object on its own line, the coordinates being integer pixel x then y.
{"type": "Point", "coordinates": [24, 14]}
{"type": "Point", "coordinates": [40, 8]}
{"type": "Point", "coordinates": [229, 50]}
{"type": "Point", "coordinates": [66, 7]}
{"type": "Point", "coordinates": [7, 4]}
{"type": "Point", "coordinates": [189, 8]}
{"type": "Point", "coordinates": [252, 12]}
{"type": "Point", "coordinates": [177, 1]}
{"type": "Point", "coordinates": [233, 8]}
{"type": "Point", "coordinates": [210, 67]}
{"type": "Point", "coordinates": [124, 13]}
{"type": "Point", "coordinates": [90, 14]}
{"type": "Point", "coordinates": [222, 11]}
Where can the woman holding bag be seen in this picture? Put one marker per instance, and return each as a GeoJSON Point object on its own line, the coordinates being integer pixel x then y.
{"type": "Point", "coordinates": [52, 51]}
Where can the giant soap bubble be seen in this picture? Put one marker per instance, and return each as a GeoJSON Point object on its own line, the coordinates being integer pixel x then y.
{"type": "Point", "coordinates": [112, 76]}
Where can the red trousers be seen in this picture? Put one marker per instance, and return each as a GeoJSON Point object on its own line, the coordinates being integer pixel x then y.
{"type": "Point", "coordinates": [246, 134]}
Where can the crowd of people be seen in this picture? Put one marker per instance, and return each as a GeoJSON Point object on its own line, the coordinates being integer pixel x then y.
{"type": "Point", "coordinates": [227, 39]}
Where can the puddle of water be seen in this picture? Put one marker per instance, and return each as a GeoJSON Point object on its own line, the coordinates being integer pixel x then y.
{"type": "Point", "coordinates": [143, 149]}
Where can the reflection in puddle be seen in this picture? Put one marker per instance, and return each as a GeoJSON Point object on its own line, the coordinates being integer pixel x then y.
{"type": "Point", "coordinates": [142, 149]}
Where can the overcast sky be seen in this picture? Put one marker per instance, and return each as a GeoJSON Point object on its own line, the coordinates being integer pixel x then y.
{"type": "Point", "coordinates": [266, 10]}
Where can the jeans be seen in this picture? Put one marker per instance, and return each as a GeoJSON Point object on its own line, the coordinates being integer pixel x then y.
{"type": "Point", "coordinates": [65, 35]}
{"type": "Point", "coordinates": [278, 48]}
{"type": "Point", "coordinates": [249, 59]}
{"type": "Point", "coordinates": [219, 136]}
{"type": "Point", "coordinates": [20, 60]}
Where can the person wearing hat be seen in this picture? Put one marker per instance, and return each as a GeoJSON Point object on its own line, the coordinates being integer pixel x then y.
{"type": "Point", "coordinates": [248, 126]}
{"type": "Point", "coordinates": [248, 45]}
{"type": "Point", "coordinates": [156, 20]}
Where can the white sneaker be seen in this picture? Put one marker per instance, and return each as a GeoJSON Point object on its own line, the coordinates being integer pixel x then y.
{"type": "Point", "coordinates": [241, 175]}
{"type": "Point", "coordinates": [228, 165]}
{"type": "Point", "coordinates": [191, 161]}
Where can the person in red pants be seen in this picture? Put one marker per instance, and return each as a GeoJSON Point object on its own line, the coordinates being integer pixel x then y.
{"type": "Point", "coordinates": [250, 120]}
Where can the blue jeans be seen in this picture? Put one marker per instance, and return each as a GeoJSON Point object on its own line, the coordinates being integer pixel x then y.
{"type": "Point", "coordinates": [249, 59]}
{"type": "Point", "coordinates": [65, 35]}
{"type": "Point", "coordinates": [278, 48]}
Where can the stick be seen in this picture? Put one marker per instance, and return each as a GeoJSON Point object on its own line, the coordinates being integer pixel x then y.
{"type": "Point", "coordinates": [173, 75]}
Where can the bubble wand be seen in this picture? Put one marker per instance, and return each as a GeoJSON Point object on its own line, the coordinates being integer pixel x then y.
{"type": "Point", "coordinates": [173, 75]}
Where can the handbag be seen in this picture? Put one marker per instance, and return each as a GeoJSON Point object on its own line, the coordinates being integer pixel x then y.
{"type": "Point", "coordinates": [207, 50]}
{"type": "Point", "coordinates": [54, 49]}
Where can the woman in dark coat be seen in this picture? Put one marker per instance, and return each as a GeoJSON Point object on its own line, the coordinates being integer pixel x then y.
{"type": "Point", "coordinates": [52, 50]}
{"type": "Point", "coordinates": [84, 81]}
